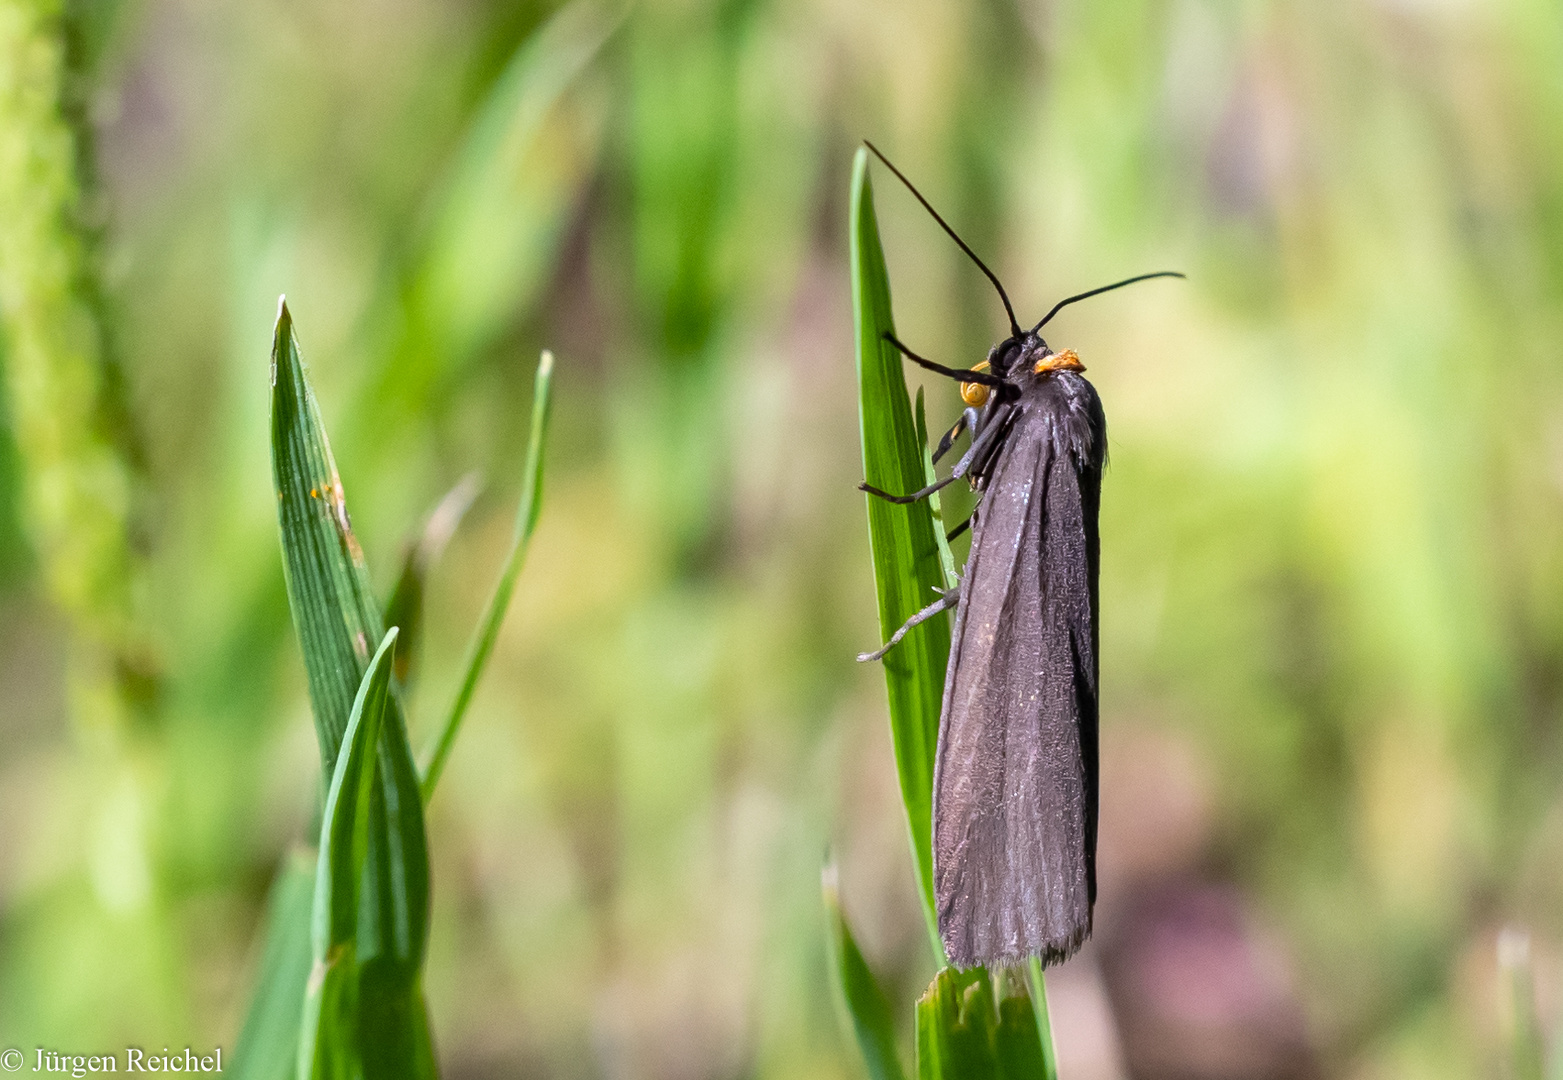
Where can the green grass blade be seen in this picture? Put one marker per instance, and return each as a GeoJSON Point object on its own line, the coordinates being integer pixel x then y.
{"type": "Point", "coordinates": [873, 1023]}
{"type": "Point", "coordinates": [336, 616]}
{"type": "Point", "coordinates": [364, 1012]}
{"type": "Point", "coordinates": [328, 1046]}
{"type": "Point", "coordinates": [956, 1018]}
{"type": "Point", "coordinates": [935, 509]}
{"type": "Point", "coordinates": [268, 1041]}
{"type": "Point", "coordinates": [1037, 984]}
{"type": "Point", "coordinates": [966, 1032]}
{"type": "Point", "coordinates": [494, 615]}
{"type": "Point", "coordinates": [1018, 1050]}
{"type": "Point", "coordinates": [334, 610]}
{"type": "Point", "coordinates": [404, 610]}
{"type": "Point", "coordinates": [907, 566]}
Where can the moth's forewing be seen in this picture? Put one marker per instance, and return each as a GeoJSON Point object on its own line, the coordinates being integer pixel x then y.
{"type": "Point", "coordinates": [1015, 771]}
{"type": "Point", "coordinates": [1087, 671]}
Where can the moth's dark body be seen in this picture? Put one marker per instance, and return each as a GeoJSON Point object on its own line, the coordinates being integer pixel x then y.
{"type": "Point", "coordinates": [1015, 772]}
{"type": "Point", "coordinates": [1015, 777]}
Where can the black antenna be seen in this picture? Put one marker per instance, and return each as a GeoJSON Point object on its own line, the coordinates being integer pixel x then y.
{"type": "Point", "coordinates": [1010, 311]}
{"type": "Point", "coordinates": [1104, 288]}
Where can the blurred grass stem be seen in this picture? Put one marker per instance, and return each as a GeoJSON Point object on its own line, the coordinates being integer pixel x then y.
{"type": "Point", "coordinates": [494, 615]}
{"type": "Point", "coordinates": [77, 484]}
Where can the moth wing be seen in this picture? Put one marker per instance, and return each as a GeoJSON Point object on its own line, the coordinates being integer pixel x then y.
{"type": "Point", "coordinates": [1015, 770]}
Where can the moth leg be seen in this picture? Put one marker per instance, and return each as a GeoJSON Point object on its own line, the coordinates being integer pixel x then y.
{"type": "Point", "coordinates": [920, 493]}
{"type": "Point", "coordinates": [968, 420]}
{"type": "Point", "coordinates": [962, 527]}
{"type": "Point", "coordinates": [961, 374]}
{"type": "Point", "coordinates": [980, 461]}
{"type": "Point", "coordinates": [945, 602]}
{"type": "Point", "coordinates": [976, 453]}
{"type": "Point", "coordinates": [984, 444]}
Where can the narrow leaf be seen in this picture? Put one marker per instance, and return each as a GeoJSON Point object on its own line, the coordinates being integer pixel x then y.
{"type": "Point", "coordinates": [328, 1045]}
{"type": "Point", "coordinates": [907, 567]}
{"type": "Point", "coordinates": [873, 1023]}
{"type": "Point", "coordinates": [1018, 1050]}
{"type": "Point", "coordinates": [344, 829]}
{"type": "Point", "coordinates": [268, 1041]}
{"type": "Point", "coordinates": [337, 620]}
{"type": "Point", "coordinates": [940, 525]}
{"type": "Point", "coordinates": [1037, 984]}
{"type": "Point", "coordinates": [494, 614]}
{"type": "Point", "coordinates": [404, 610]}
{"type": "Point", "coordinates": [364, 1014]}
{"type": "Point", "coordinates": [333, 604]}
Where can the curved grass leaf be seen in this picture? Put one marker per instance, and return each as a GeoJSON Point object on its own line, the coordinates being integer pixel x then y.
{"type": "Point", "coordinates": [363, 1009]}
{"type": "Point", "coordinates": [873, 1023]}
{"type": "Point", "coordinates": [487, 633]}
{"type": "Point", "coordinates": [327, 1046]}
{"type": "Point", "coordinates": [268, 1042]}
{"type": "Point", "coordinates": [404, 610]}
{"type": "Point", "coordinates": [907, 566]}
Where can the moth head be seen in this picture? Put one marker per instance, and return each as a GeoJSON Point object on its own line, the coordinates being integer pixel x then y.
{"type": "Point", "coordinates": [1029, 354]}
{"type": "Point", "coordinates": [1005, 357]}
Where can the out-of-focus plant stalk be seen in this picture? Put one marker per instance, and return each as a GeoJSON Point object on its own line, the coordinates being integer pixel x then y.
{"type": "Point", "coordinates": [1525, 1051]}
{"type": "Point", "coordinates": [77, 486]}
{"type": "Point", "coordinates": [76, 481]}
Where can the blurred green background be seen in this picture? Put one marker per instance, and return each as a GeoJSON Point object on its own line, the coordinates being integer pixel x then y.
{"type": "Point", "coordinates": [1332, 529]}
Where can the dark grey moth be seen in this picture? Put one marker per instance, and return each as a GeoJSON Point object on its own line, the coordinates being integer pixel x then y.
{"type": "Point", "coordinates": [1015, 772]}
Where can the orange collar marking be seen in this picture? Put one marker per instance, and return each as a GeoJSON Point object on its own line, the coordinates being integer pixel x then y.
{"type": "Point", "coordinates": [1068, 360]}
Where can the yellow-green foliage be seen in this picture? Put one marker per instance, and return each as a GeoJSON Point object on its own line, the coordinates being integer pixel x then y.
{"type": "Point", "coordinates": [77, 487]}
{"type": "Point", "coordinates": [1332, 534]}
